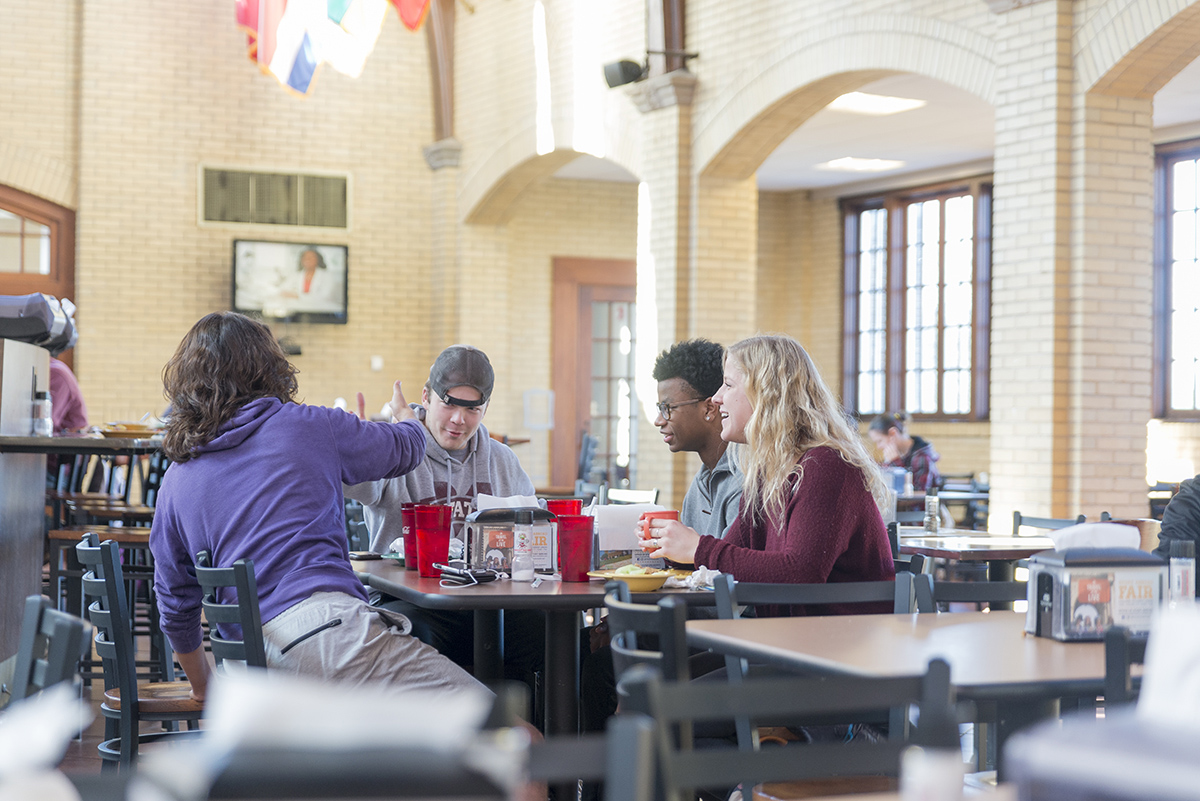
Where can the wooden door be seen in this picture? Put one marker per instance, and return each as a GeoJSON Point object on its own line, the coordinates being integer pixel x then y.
{"type": "Point", "coordinates": [594, 337]}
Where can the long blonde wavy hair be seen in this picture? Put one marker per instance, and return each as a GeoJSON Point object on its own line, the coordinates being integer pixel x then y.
{"type": "Point", "coordinates": [794, 411]}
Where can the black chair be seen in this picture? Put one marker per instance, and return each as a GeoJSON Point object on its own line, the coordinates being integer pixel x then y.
{"type": "Point", "coordinates": [242, 611]}
{"type": "Point", "coordinates": [51, 645]}
{"type": "Point", "coordinates": [645, 634]}
{"type": "Point", "coordinates": [912, 563]}
{"type": "Point", "coordinates": [126, 702]}
{"type": "Point", "coordinates": [733, 594]}
{"type": "Point", "coordinates": [930, 593]}
{"type": "Point", "coordinates": [1122, 650]}
{"type": "Point", "coordinates": [1043, 522]}
{"type": "Point", "coordinates": [681, 704]}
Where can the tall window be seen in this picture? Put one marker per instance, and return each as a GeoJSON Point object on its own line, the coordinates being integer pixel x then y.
{"type": "Point", "coordinates": [37, 245]}
{"type": "Point", "coordinates": [917, 301]}
{"type": "Point", "coordinates": [1177, 281]}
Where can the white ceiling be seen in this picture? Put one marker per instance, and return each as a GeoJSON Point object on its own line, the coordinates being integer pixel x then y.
{"type": "Point", "coordinates": [953, 128]}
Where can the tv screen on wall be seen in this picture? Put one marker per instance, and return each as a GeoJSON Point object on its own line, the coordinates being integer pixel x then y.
{"type": "Point", "coordinates": [290, 281]}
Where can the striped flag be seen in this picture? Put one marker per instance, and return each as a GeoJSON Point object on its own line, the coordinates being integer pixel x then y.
{"type": "Point", "coordinates": [290, 39]}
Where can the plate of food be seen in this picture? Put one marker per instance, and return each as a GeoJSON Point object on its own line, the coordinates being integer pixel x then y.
{"type": "Point", "coordinates": [128, 430]}
{"type": "Point", "coordinates": [639, 579]}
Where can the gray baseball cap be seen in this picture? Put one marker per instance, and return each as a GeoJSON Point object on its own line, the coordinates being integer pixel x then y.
{"type": "Point", "coordinates": [462, 366]}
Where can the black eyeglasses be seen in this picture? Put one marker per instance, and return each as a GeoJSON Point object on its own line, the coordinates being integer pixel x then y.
{"type": "Point", "coordinates": [667, 409]}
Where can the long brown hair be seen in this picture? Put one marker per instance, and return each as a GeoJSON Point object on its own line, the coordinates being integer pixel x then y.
{"type": "Point", "coordinates": [224, 362]}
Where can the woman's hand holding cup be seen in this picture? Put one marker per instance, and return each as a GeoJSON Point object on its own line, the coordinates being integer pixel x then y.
{"type": "Point", "coordinates": [663, 535]}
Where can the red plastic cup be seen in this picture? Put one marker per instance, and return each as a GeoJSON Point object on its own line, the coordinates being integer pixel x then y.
{"type": "Point", "coordinates": [644, 524]}
{"type": "Point", "coordinates": [575, 546]}
{"type": "Point", "coordinates": [433, 538]}
{"type": "Point", "coordinates": [564, 506]}
{"type": "Point", "coordinates": [408, 521]}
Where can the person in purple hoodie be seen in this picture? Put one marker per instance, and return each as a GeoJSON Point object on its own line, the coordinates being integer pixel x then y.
{"type": "Point", "coordinates": [256, 475]}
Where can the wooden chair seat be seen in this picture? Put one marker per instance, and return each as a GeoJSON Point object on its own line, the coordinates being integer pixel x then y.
{"type": "Point", "coordinates": [819, 788]}
{"type": "Point", "coordinates": [158, 698]}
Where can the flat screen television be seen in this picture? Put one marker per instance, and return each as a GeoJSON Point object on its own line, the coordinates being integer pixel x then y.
{"type": "Point", "coordinates": [289, 281]}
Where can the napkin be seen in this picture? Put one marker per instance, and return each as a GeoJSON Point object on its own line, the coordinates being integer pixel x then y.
{"type": "Point", "coordinates": [699, 579]}
{"type": "Point", "coordinates": [1171, 680]}
{"type": "Point", "coordinates": [485, 501]}
{"type": "Point", "coordinates": [616, 524]}
{"type": "Point", "coordinates": [1095, 535]}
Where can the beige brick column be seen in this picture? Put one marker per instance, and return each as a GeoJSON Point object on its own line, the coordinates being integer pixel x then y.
{"type": "Point", "coordinates": [1030, 345]}
{"type": "Point", "coordinates": [443, 158]}
{"type": "Point", "coordinates": [1111, 306]}
{"type": "Point", "coordinates": [663, 279]}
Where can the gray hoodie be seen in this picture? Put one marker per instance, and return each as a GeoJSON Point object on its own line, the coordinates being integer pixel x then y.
{"type": "Point", "coordinates": [486, 466]}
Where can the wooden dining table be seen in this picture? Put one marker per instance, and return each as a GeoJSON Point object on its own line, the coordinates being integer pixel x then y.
{"type": "Point", "coordinates": [992, 660]}
{"type": "Point", "coordinates": [562, 602]}
{"type": "Point", "coordinates": [1000, 551]}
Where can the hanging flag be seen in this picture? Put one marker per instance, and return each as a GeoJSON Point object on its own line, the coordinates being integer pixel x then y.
{"type": "Point", "coordinates": [290, 39]}
{"type": "Point", "coordinates": [412, 12]}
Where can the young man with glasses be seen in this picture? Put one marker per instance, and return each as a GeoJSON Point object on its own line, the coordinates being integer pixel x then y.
{"type": "Point", "coordinates": [688, 375]}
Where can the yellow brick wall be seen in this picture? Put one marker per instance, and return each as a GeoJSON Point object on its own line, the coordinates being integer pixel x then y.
{"type": "Point", "coordinates": [554, 218]}
{"type": "Point", "coordinates": [152, 113]}
{"type": "Point", "coordinates": [39, 113]}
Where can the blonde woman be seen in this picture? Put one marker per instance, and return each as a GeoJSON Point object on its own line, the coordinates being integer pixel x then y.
{"type": "Point", "coordinates": [810, 504]}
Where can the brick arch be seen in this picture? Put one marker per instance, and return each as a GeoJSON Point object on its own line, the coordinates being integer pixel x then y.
{"type": "Point", "coordinates": [1131, 48]}
{"type": "Point", "coordinates": [509, 169]}
{"type": "Point", "coordinates": [776, 92]}
{"type": "Point", "coordinates": [27, 169]}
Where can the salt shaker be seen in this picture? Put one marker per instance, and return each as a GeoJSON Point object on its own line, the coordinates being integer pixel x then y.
{"type": "Point", "coordinates": [933, 511]}
{"type": "Point", "coordinates": [43, 418]}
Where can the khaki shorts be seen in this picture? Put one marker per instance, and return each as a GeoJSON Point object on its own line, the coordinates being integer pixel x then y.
{"type": "Point", "coordinates": [335, 636]}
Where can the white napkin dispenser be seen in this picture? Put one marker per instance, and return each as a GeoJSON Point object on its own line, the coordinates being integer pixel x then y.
{"type": "Point", "coordinates": [1079, 593]}
{"type": "Point", "coordinates": [490, 539]}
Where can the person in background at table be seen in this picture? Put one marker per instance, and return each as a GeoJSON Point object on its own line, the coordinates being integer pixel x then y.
{"type": "Point", "coordinates": [1181, 520]}
{"type": "Point", "coordinates": [890, 434]}
{"type": "Point", "coordinates": [256, 475]}
{"type": "Point", "coordinates": [461, 461]}
{"type": "Point", "coordinates": [688, 375]}
{"type": "Point", "coordinates": [67, 407]}
{"type": "Point", "coordinates": [811, 493]}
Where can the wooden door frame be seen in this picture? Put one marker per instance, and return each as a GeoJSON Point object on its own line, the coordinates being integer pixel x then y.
{"type": "Point", "coordinates": [568, 352]}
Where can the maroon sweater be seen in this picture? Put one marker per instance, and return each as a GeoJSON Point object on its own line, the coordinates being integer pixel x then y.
{"type": "Point", "coordinates": [831, 531]}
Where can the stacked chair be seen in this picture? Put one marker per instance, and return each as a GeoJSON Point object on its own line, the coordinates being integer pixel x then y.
{"type": "Point", "coordinates": [50, 648]}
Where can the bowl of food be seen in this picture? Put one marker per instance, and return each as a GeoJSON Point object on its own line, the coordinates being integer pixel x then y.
{"type": "Point", "coordinates": [639, 579]}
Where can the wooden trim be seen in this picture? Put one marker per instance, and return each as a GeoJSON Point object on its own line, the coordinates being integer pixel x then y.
{"type": "Point", "coordinates": [439, 37]}
{"type": "Point", "coordinates": [570, 351]}
{"type": "Point", "coordinates": [61, 221]}
{"type": "Point", "coordinates": [850, 320]}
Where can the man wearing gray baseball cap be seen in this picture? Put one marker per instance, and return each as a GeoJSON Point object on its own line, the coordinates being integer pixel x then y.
{"type": "Point", "coordinates": [461, 461]}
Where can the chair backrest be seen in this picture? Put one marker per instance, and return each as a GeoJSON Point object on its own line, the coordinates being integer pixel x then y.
{"type": "Point", "coordinates": [782, 699]}
{"type": "Point", "coordinates": [241, 611]}
{"type": "Point", "coordinates": [617, 495]}
{"type": "Point", "coordinates": [157, 468]}
{"type": "Point", "coordinates": [108, 609]}
{"type": "Point", "coordinates": [358, 537]}
{"type": "Point", "coordinates": [731, 594]}
{"type": "Point", "coordinates": [587, 453]}
{"type": "Point", "coordinates": [929, 592]}
{"type": "Point", "coordinates": [1043, 522]}
{"type": "Point", "coordinates": [50, 647]}
{"type": "Point", "coordinates": [622, 757]}
{"type": "Point", "coordinates": [664, 620]}
{"type": "Point", "coordinates": [590, 490]}
{"type": "Point", "coordinates": [1122, 650]}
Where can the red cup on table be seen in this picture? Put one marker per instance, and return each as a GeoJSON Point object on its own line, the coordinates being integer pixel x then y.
{"type": "Point", "coordinates": [564, 506]}
{"type": "Point", "coordinates": [408, 528]}
{"type": "Point", "coordinates": [575, 546]}
{"type": "Point", "coordinates": [433, 538]}
{"type": "Point", "coordinates": [648, 542]}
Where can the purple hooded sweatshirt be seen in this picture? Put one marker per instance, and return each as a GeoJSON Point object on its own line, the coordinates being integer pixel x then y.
{"type": "Point", "coordinates": [269, 488]}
